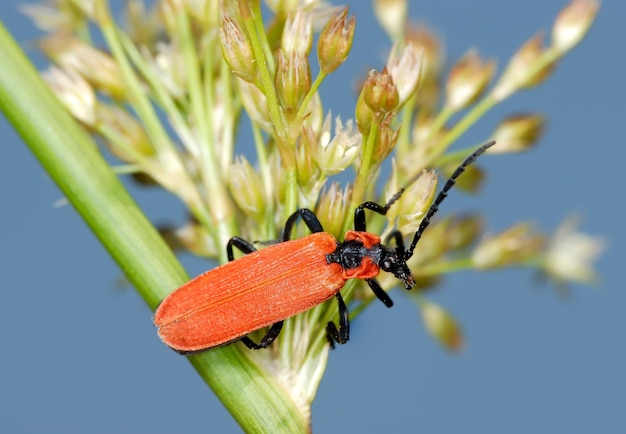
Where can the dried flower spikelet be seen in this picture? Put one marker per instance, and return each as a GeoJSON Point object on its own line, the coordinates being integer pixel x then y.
{"type": "Point", "coordinates": [572, 24]}
{"type": "Point", "coordinates": [52, 18]}
{"type": "Point", "coordinates": [95, 66]}
{"type": "Point", "coordinates": [442, 325]}
{"type": "Point", "coordinates": [391, 15]}
{"type": "Point", "coordinates": [143, 26]}
{"type": "Point", "coordinates": [336, 154]}
{"type": "Point", "coordinates": [169, 65]}
{"type": "Point", "coordinates": [424, 133]}
{"type": "Point", "coordinates": [125, 128]}
{"type": "Point", "coordinates": [463, 231]}
{"type": "Point", "coordinates": [379, 92]}
{"type": "Point", "coordinates": [385, 142]}
{"type": "Point", "coordinates": [205, 14]}
{"type": "Point", "coordinates": [433, 55]}
{"type": "Point", "coordinates": [246, 187]}
{"type": "Point", "coordinates": [314, 117]}
{"type": "Point", "coordinates": [332, 208]}
{"type": "Point", "coordinates": [405, 66]}
{"type": "Point", "coordinates": [414, 203]}
{"type": "Point", "coordinates": [467, 80]}
{"type": "Point", "coordinates": [570, 254]}
{"type": "Point", "coordinates": [74, 93]}
{"type": "Point", "coordinates": [526, 68]}
{"type": "Point", "coordinates": [363, 114]}
{"type": "Point", "coordinates": [517, 133]}
{"type": "Point", "coordinates": [283, 7]}
{"type": "Point", "coordinates": [298, 33]}
{"type": "Point", "coordinates": [293, 80]}
{"type": "Point", "coordinates": [308, 171]}
{"type": "Point", "coordinates": [513, 246]}
{"type": "Point", "coordinates": [169, 10]}
{"type": "Point", "coordinates": [196, 239]}
{"type": "Point", "coordinates": [255, 104]}
{"type": "Point", "coordinates": [237, 50]}
{"type": "Point", "coordinates": [335, 41]}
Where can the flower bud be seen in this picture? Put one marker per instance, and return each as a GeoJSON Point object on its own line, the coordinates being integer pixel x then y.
{"type": "Point", "coordinates": [113, 122]}
{"type": "Point", "coordinates": [512, 247]}
{"type": "Point", "coordinates": [308, 172]}
{"type": "Point", "coordinates": [572, 24]}
{"type": "Point", "coordinates": [391, 15]}
{"type": "Point", "coordinates": [195, 238]}
{"type": "Point", "coordinates": [74, 93]}
{"type": "Point", "coordinates": [255, 104]}
{"type": "Point", "coordinates": [433, 57]}
{"type": "Point", "coordinates": [335, 41]}
{"type": "Point", "coordinates": [363, 115]}
{"type": "Point", "coordinates": [333, 156]}
{"type": "Point", "coordinates": [379, 92]}
{"type": "Point", "coordinates": [237, 50]}
{"type": "Point", "coordinates": [410, 209]}
{"type": "Point", "coordinates": [467, 80]}
{"type": "Point", "coordinates": [570, 254]}
{"type": "Point", "coordinates": [405, 68]}
{"type": "Point", "coordinates": [385, 142]}
{"type": "Point", "coordinates": [517, 133]}
{"type": "Point", "coordinates": [524, 69]}
{"type": "Point", "coordinates": [293, 80]}
{"type": "Point", "coordinates": [332, 208]}
{"type": "Point", "coordinates": [463, 231]}
{"type": "Point", "coordinates": [298, 33]}
{"type": "Point", "coordinates": [95, 66]}
{"type": "Point", "coordinates": [441, 325]}
{"type": "Point", "coordinates": [247, 188]}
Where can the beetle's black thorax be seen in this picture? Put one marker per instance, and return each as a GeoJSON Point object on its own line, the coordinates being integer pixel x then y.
{"type": "Point", "coordinates": [350, 254]}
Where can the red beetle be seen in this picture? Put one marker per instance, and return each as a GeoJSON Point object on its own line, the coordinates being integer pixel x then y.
{"type": "Point", "coordinates": [267, 286]}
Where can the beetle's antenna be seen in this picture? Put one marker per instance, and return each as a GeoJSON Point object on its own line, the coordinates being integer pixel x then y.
{"type": "Point", "coordinates": [443, 194]}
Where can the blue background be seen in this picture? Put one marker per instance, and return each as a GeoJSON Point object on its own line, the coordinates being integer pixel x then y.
{"type": "Point", "coordinates": [79, 352]}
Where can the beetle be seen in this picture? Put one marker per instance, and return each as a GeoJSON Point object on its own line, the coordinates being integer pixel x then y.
{"type": "Point", "coordinates": [265, 287]}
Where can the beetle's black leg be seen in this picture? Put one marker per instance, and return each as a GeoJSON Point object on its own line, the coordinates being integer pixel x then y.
{"type": "Point", "coordinates": [309, 219]}
{"type": "Point", "coordinates": [342, 335]}
{"type": "Point", "coordinates": [359, 212]}
{"type": "Point", "coordinates": [269, 337]}
{"type": "Point", "coordinates": [243, 245]}
{"type": "Point", "coordinates": [247, 247]}
{"type": "Point", "coordinates": [379, 292]}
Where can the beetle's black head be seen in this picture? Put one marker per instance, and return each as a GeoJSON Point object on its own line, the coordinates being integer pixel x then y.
{"type": "Point", "coordinates": [392, 261]}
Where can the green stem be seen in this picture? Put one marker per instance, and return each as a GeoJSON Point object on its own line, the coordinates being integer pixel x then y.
{"type": "Point", "coordinates": [73, 161]}
{"type": "Point", "coordinates": [310, 94]}
{"type": "Point", "coordinates": [363, 175]}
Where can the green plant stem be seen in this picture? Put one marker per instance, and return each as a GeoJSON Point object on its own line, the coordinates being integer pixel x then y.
{"type": "Point", "coordinates": [72, 160]}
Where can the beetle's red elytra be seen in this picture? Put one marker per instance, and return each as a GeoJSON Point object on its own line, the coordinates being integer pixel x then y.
{"type": "Point", "coordinates": [267, 286]}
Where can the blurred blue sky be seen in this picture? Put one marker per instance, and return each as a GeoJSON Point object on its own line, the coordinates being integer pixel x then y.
{"type": "Point", "coordinates": [80, 353]}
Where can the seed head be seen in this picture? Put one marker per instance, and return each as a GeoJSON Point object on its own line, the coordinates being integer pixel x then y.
{"type": "Point", "coordinates": [405, 67]}
{"type": "Point", "coordinates": [572, 24]}
{"type": "Point", "coordinates": [293, 79]}
{"type": "Point", "coordinates": [526, 68]}
{"type": "Point", "coordinates": [379, 92]}
{"type": "Point", "coordinates": [237, 50]}
{"type": "Point", "coordinates": [511, 247]}
{"type": "Point", "coordinates": [392, 15]}
{"type": "Point", "coordinates": [467, 80]}
{"type": "Point", "coordinates": [335, 41]}
{"type": "Point", "coordinates": [518, 133]}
